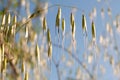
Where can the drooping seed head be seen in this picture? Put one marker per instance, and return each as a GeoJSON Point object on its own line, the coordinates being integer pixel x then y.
{"type": "Point", "coordinates": [63, 25]}
{"type": "Point", "coordinates": [23, 67]}
{"type": "Point", "coordinates": [73, 29]}
{"type": "Point", "coordinates": [71, 19]}
{"type": "Point", "coordinates": [59, 13]}
{"type": "Point", "coordinates": [50, 51]}
{"type": "Point", "coordinates": [26, 76]}
{"type": "Point", "coordinates": [2, 51]}
{"type": "Point", "coordinates": [93, 31]}
{"type": "Point", "coordinates": [3, 22]}
{"type": "Point", "coordinates": [4, 63]}
{"type": "Point", "coordinates": [26, 32]}
{"type": "Point", "coordinates": [0, 55]}
{"type": "Point", "coordinates": [13, 30]}
{"type": "Point", "coordinates": [9, 17]}
{"type": "Point", "coordinates": [84, 25]}
{"type": "Point", "coordinates": [44, 24]}
{"type": "Point", "coordinates": [3, 19]}
{"type": "Point", "coordinates": [58, 17]}
{"type": "Point", "coordinates": [15, 19]}
{"type": "Point", "coordinates": [7, 29]}
{"type": "Point", "coordinates": [37, 51]}
{"type": "Point", "coordinates": [48, 36]}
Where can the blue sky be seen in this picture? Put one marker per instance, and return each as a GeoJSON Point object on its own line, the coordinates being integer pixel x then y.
{"type": "Point", "coordinates": [87, 6]}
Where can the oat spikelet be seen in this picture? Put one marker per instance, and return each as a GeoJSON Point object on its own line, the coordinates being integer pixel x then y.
{"type": "Point", "coordinates": [48, 36]}
{"type": "Point", "coordinates": [93, 31]}
{"type": "Point", "coordinates": [26, 32]}
{"type": "Point", "coordinates": [73, 30]}
{"type": "Point", "coordinates": [3, 19]}
{"type": "Point", "coordinates": [26, 76]}
{"type": "Point", "coordinates": [50, 51]}
{"type": "Point", "coordinates": [44, 24]}
{"type": "Point", "coordinates": [9, 17]}
{"type": "Point", "coordinates": [71, 19]}
{"type": "Point", "coordinates": [63, 25]}
{"type": "Point", "coordinates": [23, 67]}
{"type": "Point", "coordinates": [72, 22]}
{"type": "Point", "coordinates": [13, 30]}
{"type": "Point", "coordinates": [58, 18]}
{"type": "Point", "coordinates": [4, 63]}
{"type": "Point", "coordinates": [37, 51]}
{"type": "Point", "coordinates": [0, 57]}
{"type": "Point", "coordinates": [3, 22]}
{"type": "Point", "coordinates": [2, 51]}
{"type": "Point", "coordinates": [7, 28]}
{"type": "Point", "coordinates": [84, 25]}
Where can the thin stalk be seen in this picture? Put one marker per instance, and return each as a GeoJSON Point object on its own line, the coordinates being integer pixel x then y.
{"type": "Point", "coordinates": [57, 69]}
{"type": "Point", "coordinates": [80, 63]}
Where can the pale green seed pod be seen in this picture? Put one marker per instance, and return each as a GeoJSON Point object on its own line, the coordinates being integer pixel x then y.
{"type": "Point", "coordinates": [37, 51]}
{"type": "Point", "coordinates": [63, 25]}
{"type": "Point", "coordinates": [44, 24]}
{"type": "Point", "coordinates": [26, 76]}
{"type": "Point", "coordinates": [93, 31]}
{"type": "Point", "coordinates": [84, 25]}
{"type": "Point", "coordinates": [48, 36]}
{"type": "Point", "coordinates": [50, 51]}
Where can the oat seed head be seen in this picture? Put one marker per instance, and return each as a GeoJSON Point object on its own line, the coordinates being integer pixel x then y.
{"type": "Point", "coordinates": [44, 24]}
{"type": "Point", "coordinates": [93, 31]}
{"type": "Point", "coordinates": [50, 51]}
{"type": "Point", "coordinates": [84, 25]}
{"type": "Point", "coordinates": [63, 25]}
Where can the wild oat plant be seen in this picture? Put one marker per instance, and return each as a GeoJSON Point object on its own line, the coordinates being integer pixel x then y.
{"type": "Point", "coordinates": [28, 52]}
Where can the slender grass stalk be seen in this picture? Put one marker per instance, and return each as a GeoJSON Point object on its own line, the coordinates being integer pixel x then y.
{"type": "Point", "coordinates": [76, 58]}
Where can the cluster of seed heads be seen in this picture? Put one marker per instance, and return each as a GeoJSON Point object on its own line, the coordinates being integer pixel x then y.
{"type": "Point", "coordinates": [6, 28]}
{"type": "Point", "coordinates": [11, 30]}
